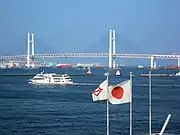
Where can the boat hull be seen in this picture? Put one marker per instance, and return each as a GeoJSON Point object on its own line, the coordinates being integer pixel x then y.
{"type": "Point", "coordinates": [64, 66]}
{"type": "Point", "coordinates": [51, 83]}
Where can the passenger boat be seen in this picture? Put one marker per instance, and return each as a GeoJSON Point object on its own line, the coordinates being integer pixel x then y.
{"type": "Point", "coordinates": [51, 78]}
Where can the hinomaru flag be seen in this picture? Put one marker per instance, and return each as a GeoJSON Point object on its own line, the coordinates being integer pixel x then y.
{"type": "Point", "coordinates": [100, 93]}
{"type": "Point", "coordinates": [120, 93]}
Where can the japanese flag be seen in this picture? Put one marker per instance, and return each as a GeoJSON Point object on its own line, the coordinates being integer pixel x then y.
{"type": "Point", "coordinates": [101, 92]}
{"type": "Point", "coordinates": [120, 93]}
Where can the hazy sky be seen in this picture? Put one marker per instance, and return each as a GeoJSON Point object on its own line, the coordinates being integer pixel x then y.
{"type": "Point", "coordinates": [142, 26]}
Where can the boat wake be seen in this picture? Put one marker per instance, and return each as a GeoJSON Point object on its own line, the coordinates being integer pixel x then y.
{"type": "Point", "coordinates": [83, 84]}
{"type": "Point", "coordinates": [75, 84]}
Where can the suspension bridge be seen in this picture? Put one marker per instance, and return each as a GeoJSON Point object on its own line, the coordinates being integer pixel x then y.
{"type": "Point", "coordinates": [111, 55]}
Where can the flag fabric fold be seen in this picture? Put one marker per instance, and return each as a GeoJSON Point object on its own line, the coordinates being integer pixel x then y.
{"type": "Point", "coordinates": [120, 93]}
{"type": "Point", "coordinates": [101, 92]}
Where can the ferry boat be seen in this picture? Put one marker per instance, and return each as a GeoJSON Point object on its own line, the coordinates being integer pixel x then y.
{"type": "Point", "coordinates": [51, 78]}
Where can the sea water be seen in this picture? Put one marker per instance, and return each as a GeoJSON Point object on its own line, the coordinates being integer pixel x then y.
{"type": "Point", "coordinates": [27, 109]}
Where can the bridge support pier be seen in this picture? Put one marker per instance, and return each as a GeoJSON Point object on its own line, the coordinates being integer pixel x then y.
{"type": "Point", "coordinates": [154, 67]}
{"type": "Point", "coordinates": [153, 62]}
{"type": "Point", "coordinates": [178, 62]}
{"type": "Point", "coordinates": [112, 49]}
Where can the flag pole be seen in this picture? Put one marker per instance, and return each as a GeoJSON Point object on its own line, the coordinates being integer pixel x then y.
{"type": "Point", "coordinates": [107, 105]}
{"type": "Point", "coordinates": [130, 128]}
{"type": "Point", "coordinates": [150, 103]}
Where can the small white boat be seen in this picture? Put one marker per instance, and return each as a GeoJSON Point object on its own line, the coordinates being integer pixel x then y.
{"type": "Point", "coordinates": [140, 66]}
{"type": "Point", "coordinates": [177, 74]}
{"type": "Point", "coordinates": [118, 73]}
{"type": "Point", "coordinates": [51, 78]}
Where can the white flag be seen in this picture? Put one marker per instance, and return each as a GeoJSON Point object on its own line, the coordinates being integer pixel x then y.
{"type": "Point", "coordinates": [120, 93]}
{"type": "Point", "coordinates": [101, 92]}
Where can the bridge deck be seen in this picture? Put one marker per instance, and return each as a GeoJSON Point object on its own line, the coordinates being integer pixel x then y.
{"type": "Point", "coordinates": [85, 55]}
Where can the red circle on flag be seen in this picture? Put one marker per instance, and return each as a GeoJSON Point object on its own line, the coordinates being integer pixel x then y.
{"type": "Point", "coordinates": [117, 92]}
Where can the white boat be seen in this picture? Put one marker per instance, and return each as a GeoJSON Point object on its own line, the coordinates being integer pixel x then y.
{"type": "Point", "coordinates": [52, 78]}
{"type": "Point", "coordinates": [177, 74]}
{"type": "Point", "coordinates": [140, 66]}
{"type": "Point", "coordinates": [118, 73]}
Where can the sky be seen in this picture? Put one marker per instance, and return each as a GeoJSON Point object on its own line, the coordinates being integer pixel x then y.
{"type": "Point", "coordinates": [142, 26]}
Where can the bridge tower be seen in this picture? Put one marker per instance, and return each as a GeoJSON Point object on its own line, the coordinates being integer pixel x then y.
{"type": "Point", "coordinates": [30, 40]}
{"type": "Point", "coordinates": [28, 50]}
{"type": "Point", "coordinates": [112, 49]}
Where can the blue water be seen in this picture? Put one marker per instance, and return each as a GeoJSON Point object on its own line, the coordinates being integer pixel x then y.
{"type": "Point", "coordinates": [27, 109]}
